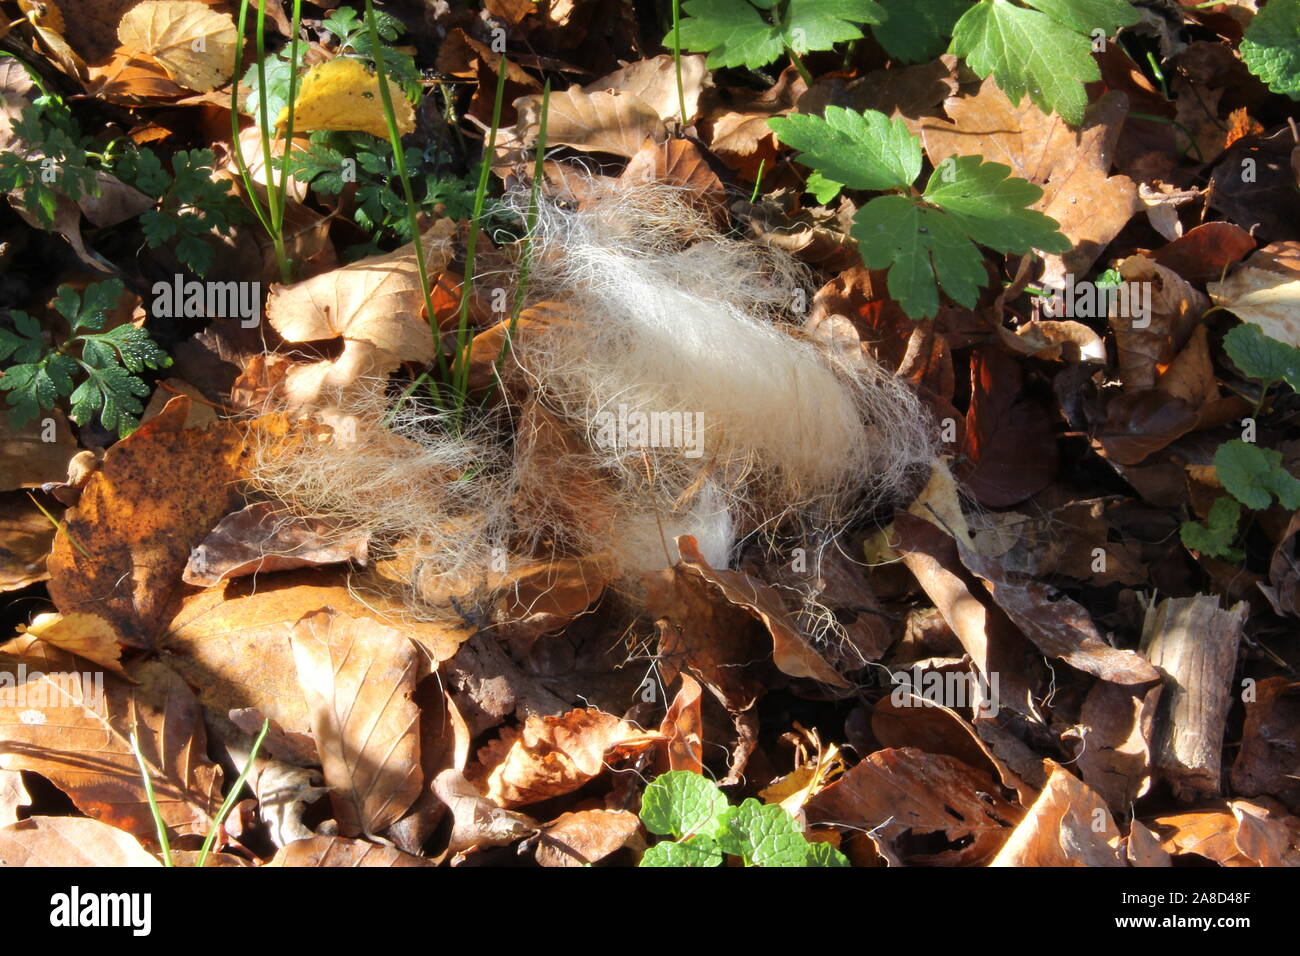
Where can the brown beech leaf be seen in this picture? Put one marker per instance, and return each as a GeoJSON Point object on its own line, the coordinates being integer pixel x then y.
{"type": "Point", "coordinates": [905, 720]}
{"type": "Point", "coordinates": [683, 728]}
{"type": "Point", "coordinates": [551, 756]}
{"type": "Point", "coordinates": [985, 631]}
{"type": "Point", "coordinates": [1068, 825]}
{"type": "Point", "coordinates": [1145, 348]}
{"type": "Point", "coordinates": [1208, 833]}
{"type": "Point", "coordinates": [358, 678]}
{"type": "Point", "coordinates": [654, 82]}
{"type": "Point", "coordinates": [1116, 762]}
{"type": "Point", "coordinates": [157, 494]}
{"type": "Point", "coordinates": [1283, 588]}
{"type": "Point", "coordinates": [1205, 252]}
{"type": "Point", "coordinates": [1009, 452]}
{"type": "Point", "coordinates": [90, 26]}
{"type": "Point", "coordinates": [715, 639]}
{"type": "Point", "coordinates": [1073, 167]}
{"type": "Point", "coordinates": [340, 851]}
{"type": "Point", "coordinates": [70, 841]}
{"type": "Point", "coordinates": [1265, 291]}
{"type": "Point", "coordinates": [584, 837]}
{"type": "Point", "coordinates": [76, 732]}
{"type": "Point", "coordinates": [679, 162]}
{"type": "Point", "coordinates": [1266, 833]}
{"type": "Point", "coordinates": [1143, 847]}
{"type": "Point", "coordinates": [1270, 740]}
{"type": "Point", "coordinates": [894, 791]}
{"type": "Point", "coordinates": [1138, 424]}
{"type": "Point", "coordinates": [859, 295]}
{"type": "Point", "coordinates": [791, 653]}
{"type": "Point", "coordinates": [600, 122]}
{"type": "Point", "coordinates": [374, 304]}
{"type": "Point", "coordinates": [910, 92]}
{"type": "Point", "coordinates": [265, 537]}
{"type": "Point", "coordinates": [734, 122]}
{"type": "Point", "coordinates": [476, 820]}
{"type": "Point", "coordinates": [1058, 626]}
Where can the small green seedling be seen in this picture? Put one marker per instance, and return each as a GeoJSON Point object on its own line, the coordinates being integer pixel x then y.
{"type": "Point", "coordinates": [705, 830]}
{"type": "Point", "coordinates": [105, 361]}
{"type": "Point", "coordinates": [191, 204]}
{"type": "Point", "coordinates": [928, 237]}
{"type": "Point", "coordinates": [1254, 476]}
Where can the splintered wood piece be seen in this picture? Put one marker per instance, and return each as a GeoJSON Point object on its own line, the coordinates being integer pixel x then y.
{"type": "Point", "coordinates": [1194, 644]}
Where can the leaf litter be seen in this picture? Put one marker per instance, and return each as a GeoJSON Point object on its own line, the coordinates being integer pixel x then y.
{"type": "Point", "coordinates": [903, 439]}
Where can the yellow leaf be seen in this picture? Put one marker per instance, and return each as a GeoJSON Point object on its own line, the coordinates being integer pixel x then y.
{"type": "Point", "coordinates": [342, 94]}
{"type": "Point", "coordinates": [194, 43]}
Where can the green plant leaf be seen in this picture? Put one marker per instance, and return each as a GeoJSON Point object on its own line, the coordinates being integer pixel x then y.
{"type": "Point", "coordinates": [813, 25]}
{"type": "Point", "coordinates": [680, 803]}
{"type": "Point", "coordinates": [737, 33]}
{"type": "Point", "coordinates": [917, 32]}
{"type": "Point", "coordinates": [1271, 46]}
{"type": "Point", "coordinates": [762, 835]}
{"type": "Point", "coordinates": [1253, 475]}
{"type": "Point", "coordinates": [991, 206]}
{"type": "Point", "coordinates": [860, 150]}
{"type": "Point", "coordinates": [732, 32]}
{"type": "Point", "coordinates": [25, 343]}
{"type": "Point", "coordinates": [972, 202]}
{"type": "Point", "coordinates": [1259, 356]}
{"type": "Point", "coordinates": [699, 850]}
{"type": "Point", "coordinates": [1045, 52]}
{"type": "Point", "coordinates": [1215, 537]}
{"type": "Point", "coordinates": [823, 854]}
{"type": "Point", "coordinates": [114, 394]}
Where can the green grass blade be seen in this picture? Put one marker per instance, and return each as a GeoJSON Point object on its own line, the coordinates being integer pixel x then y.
{"type": "Point", "coordinates": [229, 803]}
{"type": "Point", "coordinates": [158, 823]}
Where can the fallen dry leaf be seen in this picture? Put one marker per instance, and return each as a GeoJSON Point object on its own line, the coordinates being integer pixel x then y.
{"type": "Point", "coordinates": [74, 727]}
{"type": "Point", "coordinates": [551, 756]}
{"type": "Point", "coordinates": [584, 837]}
{"type": "Point", "coordinates": [138, 521]}
{"type": "Point", "coordinates": [1265, 290]}
{"type": "Point", "coordinates": [70, 841]}
{"type": "Point", "coordinates": [341, 94]}
{"type": "Point", "coordinates": [476, 820]}
{"type": "Point", "coordinates": [194, 43]}
{"type": "Point", "coordinates": [264, 537]}
{"type": "Point", "coordinates": [1068, 825]}
{"type": "Point", "coordinates": [603, 122]}
{"type": "Point", "coordinates": [321, 851]}
{"type": "Point", "coordinates": [895, 791]}
{"type": "Point", "coordinates": [358, 678]}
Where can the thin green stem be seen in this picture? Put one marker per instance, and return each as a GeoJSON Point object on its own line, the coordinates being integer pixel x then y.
{"type": "Point", "coordinates": [677, 58]}
{"type": "Point", "coordinates": [758, 181]}
{"type": "Point", "coordinates": [798, 64]}
{"type": "Point", "coordinates": [244, 172]}
{"type": "Point", "coordinates": [158, 823]}
{"type": "Point", "coordinates": [229, 803]}
{"type": "Point", "coordinates": [399, 161]}
{"type": "Point", "coordinates": [460, 365]}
